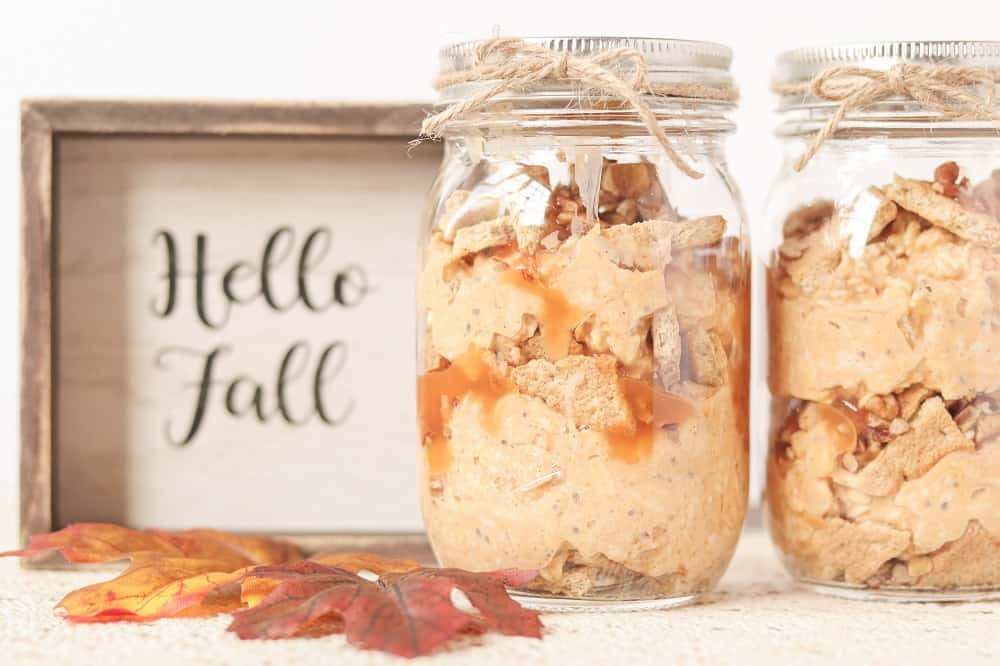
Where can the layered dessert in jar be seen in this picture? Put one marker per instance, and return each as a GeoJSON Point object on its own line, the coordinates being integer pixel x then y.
{"type": "Point", "coordinates": [583, 391]}
{"type": "Point", "coordinates": [884, 346]}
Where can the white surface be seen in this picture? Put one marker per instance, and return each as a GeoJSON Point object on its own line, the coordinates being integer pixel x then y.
{"type": "Point", "coordinates": [334, 49]}
{"type": "Point", "coordinates": [755, 617]}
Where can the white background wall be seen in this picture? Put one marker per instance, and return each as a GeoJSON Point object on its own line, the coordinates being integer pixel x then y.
{"type": "Point", "coordinates": [340, 50]}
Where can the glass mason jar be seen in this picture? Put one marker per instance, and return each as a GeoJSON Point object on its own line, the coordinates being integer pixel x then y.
{"type": "Point", "coordinates": [583, 324]}
{"type": "Point", "coordinates": [881, 260]}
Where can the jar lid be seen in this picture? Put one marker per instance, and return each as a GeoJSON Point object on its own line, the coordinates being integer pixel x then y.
{"type": "Point", "coordinates": [801, 65]}
{"type": "Point", "coordinates": [667, 60]}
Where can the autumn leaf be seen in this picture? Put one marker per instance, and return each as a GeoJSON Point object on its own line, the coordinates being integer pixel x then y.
{"type": "Point", "coordinates": [358, 562]}
{"type": "Point", "coordinates": [191, 573]}
{"type": "Point", "coordinates": [256, 587]}
{"type": "Point", "coordinates": [408, 613]}
{"type": "Point", "coordinates": [395, 606]}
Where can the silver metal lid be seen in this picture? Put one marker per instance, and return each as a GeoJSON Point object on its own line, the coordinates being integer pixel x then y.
{"type": "Point", "coordinates": [665, 58]}
{"type": "Point", "coordinates": [801, 65]}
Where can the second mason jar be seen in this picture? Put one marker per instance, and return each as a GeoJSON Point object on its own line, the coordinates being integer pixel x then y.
{"type": "Point", "coordinates": [882, 269]}
{"type": "Point", "coordinates": [583, 333]}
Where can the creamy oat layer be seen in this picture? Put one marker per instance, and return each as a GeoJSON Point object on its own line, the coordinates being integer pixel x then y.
{"type": "Point", "coordinates": [885, 368]}
{"type": "Point", "coordinates": [583, 401]}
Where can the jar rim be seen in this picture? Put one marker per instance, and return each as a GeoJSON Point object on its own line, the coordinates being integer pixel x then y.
{"type": "Point", "coordinates": [667, 60]}
{"type": "Point", "coordinates": [802, 64]}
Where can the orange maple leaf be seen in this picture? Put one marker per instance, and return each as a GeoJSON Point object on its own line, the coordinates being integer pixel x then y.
{"type": "Point", "coordinates": [395, 606]}
{"type": "Point", "coordinates": [170, 574]}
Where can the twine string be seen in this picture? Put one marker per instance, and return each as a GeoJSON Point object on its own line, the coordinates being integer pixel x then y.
{"type": "Point", "coordinates": [955, 92]}
{"type": "Point", "coordinates": [518, 65]}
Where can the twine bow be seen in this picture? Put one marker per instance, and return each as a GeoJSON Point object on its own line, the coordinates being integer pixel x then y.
{"type": "Point", "coordinates": [522, 64]}
{"type": "Point", "coordinates": [955, 92]}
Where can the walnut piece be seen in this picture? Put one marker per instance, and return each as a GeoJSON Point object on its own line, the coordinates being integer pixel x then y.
{"type": "Point", "coordinates": [632, 192]}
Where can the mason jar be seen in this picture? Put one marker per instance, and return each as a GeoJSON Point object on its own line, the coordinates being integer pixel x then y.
{"type": "Point", "coordinates": [583, 319]}
{"type": "Point", "coordinates": [881, 259]}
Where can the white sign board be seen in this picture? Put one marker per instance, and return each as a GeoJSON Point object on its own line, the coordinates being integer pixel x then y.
{"type": "Point", "coordinates": [234, 332]}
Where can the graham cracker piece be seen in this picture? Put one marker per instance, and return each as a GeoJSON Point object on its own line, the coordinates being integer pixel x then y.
{"type": "Point", "coordinates": [818, 255]}
{"type": "Point", "coordinates": [878, 209]}
{"type": "Point", "coordinates": [666, 332]}
{"type": "Point", "coordinates": [482, 236]}
{"type": "Point", "coordinates": [972, 560]}
{"type": "Point", "coordinates": [835, 549]}
{"type": "Point", "coordinates": [932, 435]}
{"type": "Point", "coordinates": [697, 232]}
{"type": "Point", "coordinates": [643, 245]}
{"type": "Point", "coordinates": [584, 388]}
{"type": "Point", "coordinates": [705, 357]}
{"type": "Point", "coordinates": [919, 197]}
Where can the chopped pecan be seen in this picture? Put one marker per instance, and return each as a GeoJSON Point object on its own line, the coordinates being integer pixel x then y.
{"type": "Point", "coordinates": [946, 179]}
{"type": "Point", "coordinates": [565, 205]}
{"type": "Point", "coordinates": [632, 192]}
{"type": "Point", "coordinates": [885, 407]}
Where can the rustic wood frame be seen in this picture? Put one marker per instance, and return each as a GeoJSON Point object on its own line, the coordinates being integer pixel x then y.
{"type": "Point", "coordinates": [43, 122]}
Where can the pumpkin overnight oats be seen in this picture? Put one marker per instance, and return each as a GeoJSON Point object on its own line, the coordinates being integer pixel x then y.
{"type": "Point", "coordinates": [582, 405]}
{"type": "Point", "coordinates": [884, 339]}
{"type": "Point", "coordinates": [583, 320]}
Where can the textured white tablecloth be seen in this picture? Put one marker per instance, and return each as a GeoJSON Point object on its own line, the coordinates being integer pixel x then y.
{"type": "Point", "coordinates": [756, 617]}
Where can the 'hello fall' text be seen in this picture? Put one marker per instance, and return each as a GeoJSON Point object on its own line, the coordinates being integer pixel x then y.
{"type": "Point", "coordinates": [287, 275]}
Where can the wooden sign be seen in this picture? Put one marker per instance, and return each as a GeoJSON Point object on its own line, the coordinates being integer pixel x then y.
{"type": "Point", "coordinates": [218, 316]}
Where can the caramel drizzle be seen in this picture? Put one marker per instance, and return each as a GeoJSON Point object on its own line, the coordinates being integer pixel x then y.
{"type": "Point", "coordinates": [557, 317]}
{"type": "Point", "coordinates": [651, 409]}
{"type": "Point", "coordinates": [439, 391]}
{"type": "Point", "coordinates": [469, 376]}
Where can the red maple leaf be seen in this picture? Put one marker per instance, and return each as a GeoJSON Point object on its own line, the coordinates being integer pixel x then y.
{"type": "Point", "coordinates": [408, 614]}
